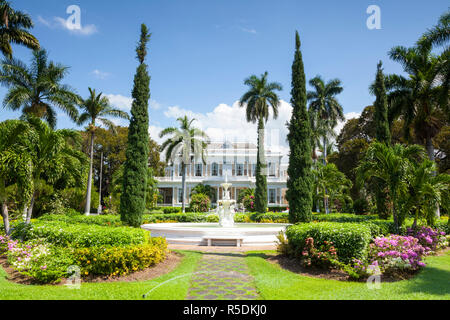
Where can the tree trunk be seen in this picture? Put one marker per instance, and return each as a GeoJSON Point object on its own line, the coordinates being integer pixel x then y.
{"type": "Point", "coordinates": [183, 187]}
{"type": "Point", "coordinates": [430, 151]}
{"type": "Point", "coordinates": [261, 172]}
{"type": "Point", "coordinates": [325, 199]}
{"type": "Point", "coordinates": [5, 217]}
{"type": "Point", "coordinates": [87, 208]}
{"type": "Point", "coordinates": [30, 209]}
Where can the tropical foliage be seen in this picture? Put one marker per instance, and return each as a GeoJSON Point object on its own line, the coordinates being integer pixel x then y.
{"type": "Point", "coordinates": [37, 89]}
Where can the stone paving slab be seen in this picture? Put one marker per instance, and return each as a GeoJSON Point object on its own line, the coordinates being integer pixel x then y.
{"type": "Point", "coordinates": [223, 249]}
{"type": "Point", "coordinates": [222, 276]}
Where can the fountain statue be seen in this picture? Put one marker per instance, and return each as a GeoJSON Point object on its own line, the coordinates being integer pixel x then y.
{"type": "Point", "coordinates": [225, 207]}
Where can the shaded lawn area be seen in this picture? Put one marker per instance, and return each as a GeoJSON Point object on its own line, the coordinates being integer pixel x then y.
{"type": "Point", "coordinates": [274, 283]}
{"type": "Point", "coordinates": [172, 290]}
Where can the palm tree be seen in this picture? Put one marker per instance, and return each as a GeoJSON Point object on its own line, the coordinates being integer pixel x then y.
{"type": "Point", "coordinates": [327, 110]}
{"type": "Point", "coordinates": [96, 108]}
{"type": "Point", "coordinates": [54, 153]}
{"type": "Point", "coordinates": [37, 89]}
{"type": "Point", "coordinates": [323, 102]}
{"type": "Point", "coordinates": [391, 165]}
{"type": "Point", "coordinates": [425, 190]}
{"type": "Point", "coordinates": [15, 164]}
{"type": "Point", "coordinates": [331, 183]}
{"type": "Point", "coordinates": [186, 142]}
{"type": "Point", "coordinates": [438, 35]}
{"type": "Point", "coordinates": [259, 99]}
{"type": "Point", "coordinates": [416, 97]}
{"type": "Point", "coordinates": [13, 29]}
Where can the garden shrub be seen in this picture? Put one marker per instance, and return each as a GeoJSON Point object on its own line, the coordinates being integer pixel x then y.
{"type": "Point", "coordinates": [249, 202]}
{"type": "Point", "coordinates": [81, 235]}
{"type": "Point", "coordinates": [171, 210]}
{"type": "Point", "coordinates": [270, 217]}
{"type": "Point", "coordinates": [41, 261]}
{"type": "Point", "coordinates": [360, 206]}
{"type": "Point", "coordinates": [199, 203]}
{"type": "Point", "coordinates": [431, 240]}
{"type": "Point", "coordinates": [115, 261]}
{"type": "Point", "coordinates": [390, 255]}
{"type": "Point", "coordinates": [321, 255]}
{"type": "Point", "coordinates": [351, 240]}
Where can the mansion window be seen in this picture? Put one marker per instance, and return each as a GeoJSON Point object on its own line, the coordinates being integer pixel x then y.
{"type": "Point", "coordinates": [198, 170]}
{"type": "Point", "coordinates": [272, 195]}
{"type": "Point", "coordinates": [254, 170]}
{"type": "Point", "coordinates": [239, 169]}
{"type": "Point", "coordinates": [215, 169]}
{"type": "Point", "coordinates": [271, 169]}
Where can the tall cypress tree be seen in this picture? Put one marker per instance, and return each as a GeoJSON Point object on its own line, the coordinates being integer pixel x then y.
{"type": "Point", "coordinates": [382, 134]}
{"type": "Point", "coordinates": [132, 200]}
{"type": "Point", "coordinates": [300, 179]}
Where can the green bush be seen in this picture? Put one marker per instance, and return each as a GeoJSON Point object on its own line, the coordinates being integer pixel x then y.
{"type": "Point", "coordinates": [199, 203]}
{"type": "Point", "coordinates": [80, 235]}
{"type": "Point", "coordinates": [351, 240]}
{"type": "Point", "coordinates": [282, 217]}
{"type": "Point", "coordinates": [360, 206]}
{"type": "Point", "coordinates": [101, 220]}
{"type": "Point", "coordinates": [115, 261]}
{"type": "Point", "coordinates": [342, 217]}
{"type": "Point", "coordinates": [171, 210]}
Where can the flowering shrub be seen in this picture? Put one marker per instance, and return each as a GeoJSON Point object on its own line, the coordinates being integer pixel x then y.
{"type": "Point", "coordinates": [324, 256]}
{"type": "Point", "coordinates": [115, 261]}
{"type": "Point", "coordinates": [200, 203]}
{"type": "Point", "coordinates": [392, 254]}
{"type": "Point", "coordinates": [351, 240]}
{"type": "Point", "coordinates": [39, 260]}
{"type": "Point", "coordinates": [431, 240]}
{"type": "Point", "coordinates": [80, 235]}
{"type": "Point", "coordinates": [248, 202]}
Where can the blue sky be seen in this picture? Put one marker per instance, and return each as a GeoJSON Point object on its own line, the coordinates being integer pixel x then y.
{"type": "Point", "coordinates": [201, 51]}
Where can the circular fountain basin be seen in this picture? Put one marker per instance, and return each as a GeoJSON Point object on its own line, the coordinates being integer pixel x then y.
{"type": "Point", "coordinates": [252, 234]}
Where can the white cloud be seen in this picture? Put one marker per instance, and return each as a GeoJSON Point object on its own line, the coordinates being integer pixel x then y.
{"type": "Point", "coordinates": [120, 102]}
{"type": "Point", "coordinates": [124, 103]}
{"type": "Point", "coordinates": [227, 122]}
{"type": "Point", "coordinates": [248, 30]}
{"type": "Point", "coordinates": [348, 116]}
{"type": "Point", "coordinates": [59, 22]}
{"type": "Point", "coordinates": [100, 74]}
{"type": "Point", "coordinates": [44, 21]}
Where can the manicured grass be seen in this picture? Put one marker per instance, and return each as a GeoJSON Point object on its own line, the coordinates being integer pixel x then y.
{"type": "Point", "coordinates": [275, 283]}
{"type": "Point", "coordinates": [172, 290]}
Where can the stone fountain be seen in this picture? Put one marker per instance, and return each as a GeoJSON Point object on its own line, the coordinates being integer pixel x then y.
{"type": "Point", "coordinates": [226, 232]}
{"type": "Point", "coordinates": [225, 207]}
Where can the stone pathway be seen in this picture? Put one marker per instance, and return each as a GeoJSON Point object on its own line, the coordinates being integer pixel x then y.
{"type": "Point", "coordinates": [222, 276]}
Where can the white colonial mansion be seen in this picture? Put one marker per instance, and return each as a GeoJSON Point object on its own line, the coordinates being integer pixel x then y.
{"type": "Point", "coordinates": [235, 161]}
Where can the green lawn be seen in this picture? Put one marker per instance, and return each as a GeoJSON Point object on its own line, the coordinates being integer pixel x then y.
{"type": "Point", "coordinates": [276, 283]}
{"type": "Point", "coordinates": [271, 281]}
{"type": "Point", "coordinates": [172, 290]}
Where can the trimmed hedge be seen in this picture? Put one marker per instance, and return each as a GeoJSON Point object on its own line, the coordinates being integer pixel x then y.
{"type": "Point", "coordinates": [115, 261]}
{"type": "Point", "coordinates": [80, 235]}
{"type": "Point", "coordinates": [270, 217]}
{"type": "Point", "coordinates": [343, 217]}
{"type": "Point", "coordinates": [351, 240]}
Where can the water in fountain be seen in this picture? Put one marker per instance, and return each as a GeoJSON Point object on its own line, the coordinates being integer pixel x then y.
{"type": "Point", "coordinates": [225, 208]}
